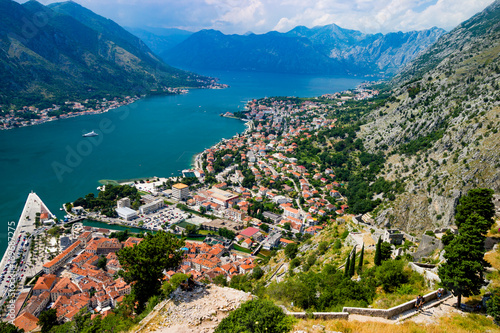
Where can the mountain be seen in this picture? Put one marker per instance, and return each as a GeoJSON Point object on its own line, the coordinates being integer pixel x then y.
{"type": "Point", "coordinates": [440, 128]}
{"type": "Point", "coordinates": [320, 50]}
{"type": "Point", "coordinates": [271, 52]}
{"type": "Point", "coordinates": [160, 39]}
{"type": "Point", "coordinates": [64, 51]}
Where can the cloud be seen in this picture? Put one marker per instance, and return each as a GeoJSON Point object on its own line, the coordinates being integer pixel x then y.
{"type": "Point", "coordinates": [239, 16]}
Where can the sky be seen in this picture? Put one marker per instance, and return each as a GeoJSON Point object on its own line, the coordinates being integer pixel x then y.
{"type": "Point", "coordinates": [260, 16]}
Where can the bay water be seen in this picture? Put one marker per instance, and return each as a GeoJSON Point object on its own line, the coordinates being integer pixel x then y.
{"type": "Point", "coordinates": [155, 136]}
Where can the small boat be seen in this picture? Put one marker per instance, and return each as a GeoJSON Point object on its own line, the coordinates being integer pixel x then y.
{"type": "Point", "coordinates": [90, 134]}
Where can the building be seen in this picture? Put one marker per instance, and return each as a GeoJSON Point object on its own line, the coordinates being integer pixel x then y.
{"type": "Point", "coordinates": [393, 236]}
{"type": "Point", "coordinates": [180, 191]}
{"type": "Point", "coordinates": [223, 198]}
{"type": "Point", "coordinates": [123, 202]}
{"type": "Point", "coordinates": [52, 266]}
{"type": "Point", "coordinates": [152, 206]}
{"type": "Point", "coordinates": [126, 213]}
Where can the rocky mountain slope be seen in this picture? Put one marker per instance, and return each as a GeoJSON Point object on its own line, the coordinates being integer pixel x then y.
{"type": "Point", "coordinates": [441, 126]}
{"type": "Point", "coordinates": [51, 54]}
{"type": "Point", "coordinates": [326, 50]}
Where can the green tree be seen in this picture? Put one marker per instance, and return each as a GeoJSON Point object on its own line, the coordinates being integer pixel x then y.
{"type": "Point", "coordinates": [347, 266]}
{"type": "Point", "coordinates": [385, 251]}
{"type": "Point", "coordinates": [352, 267]}
{"type": "Point", "coordinates": [47, 320]}
{"type": "Point", "coordinates": [462, 273]}
{"type": "Point", "coordinates": [256, 316]}
{"type": "Point", "coordinates": [378, 255]}
{"type": "Point", "coordinates": [101, 263]}
{"type": "Point", "coordinates": [493, 306]}
{"type": "Point", "coordinates": [9, 328]}
{"type": "Point", "coordinates": [143, 264]}
{"type": "Point", "coordinates": [169, 286]}
{"type": "Point", "coordinates": [291, 250]}
{"type": "Point", "coordinates": [257, 273]}
{"type": "Point", "coordinates": [361, 258]}
{"type": "Point", "coordinates": [479, 201]}
{"type": "Point", "coordinates": [391, 275]}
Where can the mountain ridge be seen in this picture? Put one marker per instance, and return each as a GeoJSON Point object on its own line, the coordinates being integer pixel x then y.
{"type": "Point", "coordinates": [325, 49]}
{"type": "Point", "coordinates": [47, 57]}
{"type": "Point", "coordinates": [441, 129]}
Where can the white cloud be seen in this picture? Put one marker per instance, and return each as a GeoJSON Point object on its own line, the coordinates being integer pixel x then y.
{"type": "Point", "coordinates": [239, 16]}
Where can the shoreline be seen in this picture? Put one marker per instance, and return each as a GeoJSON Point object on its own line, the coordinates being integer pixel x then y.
{"type": "Point", "coordinates": [124, 102]}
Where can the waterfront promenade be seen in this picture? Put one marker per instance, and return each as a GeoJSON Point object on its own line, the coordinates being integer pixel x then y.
{"type": "Point", "coordinates": [14, 261]}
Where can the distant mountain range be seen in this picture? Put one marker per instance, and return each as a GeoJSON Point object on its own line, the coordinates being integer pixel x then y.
{"type": "Point", "coordinates": [62, 51]}
{"type": "Point", "coordinates": [327, 49]}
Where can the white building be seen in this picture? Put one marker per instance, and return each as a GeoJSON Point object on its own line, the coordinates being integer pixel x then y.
{"type": "Point", "coordinates": [180, 191]}
{"type": "Point", "coordinates": [126, 213]}
{"type": "Point", "coordinates": [151, 207]}
{"type": "Point", "coordinates": [123, 202]}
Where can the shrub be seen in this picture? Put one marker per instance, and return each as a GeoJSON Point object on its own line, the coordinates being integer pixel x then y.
{"type": "Point", "coordinates": [256, 316]}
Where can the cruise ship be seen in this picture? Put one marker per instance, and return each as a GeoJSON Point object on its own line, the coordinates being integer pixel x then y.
{"type": "Point", "coordinates": [90, 134]}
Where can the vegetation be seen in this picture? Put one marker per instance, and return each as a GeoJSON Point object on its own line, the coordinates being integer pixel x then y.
{"type": "Point", "coordinates": [462, 273]}
{"type": "Point", "coordinates": [105, 202]}
{"type": "Point", "coordinates": [256, 316]}
{"type": "Point", "coordinates": [9, 328]}
{"type": "Point", "coordinates": [143, 264]}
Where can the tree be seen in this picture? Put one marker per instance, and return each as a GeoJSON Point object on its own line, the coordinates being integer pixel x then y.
{"type": "Point", "coordinates": [462, 273]}
{"type": "Point", "coordinates": [257, 273]}
{"type": "Point", "coordinates": [391, 275]}
{"type": "Point", "coordinates": [6, 327]}
{"type": "Point", "coordinates": [47, 320]}
{"type": "Point", "coordinates": [385, 251]}
{"type": "Point", "coordinates": [378, 256]}
{"type": "Point", "coordinates": [347, 266]}
{"type": "Point", "coordinates": [492, 306]}
{"type": "Point", "coordinates": [477, 201]}
{"type": "Point", "coordinates": [145, 262]}
{"type": "Point", "coordinates": [101, 263]}
{"type": "Point", "coordinates": [353, 264]}
{"type": "Point", "coordinates": [361, 255]}
{"type": "Point", "coordinates": [291, 250]}
{"type": "Point", "coordinates": [256, 316]}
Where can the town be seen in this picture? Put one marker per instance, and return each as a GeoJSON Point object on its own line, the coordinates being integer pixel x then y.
{"type": "Point", "coordinates": [245, 198]}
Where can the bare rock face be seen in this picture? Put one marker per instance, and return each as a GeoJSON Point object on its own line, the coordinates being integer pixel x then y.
{"type": "Point", "coordinates": [199, 310]}
{"type": "Point", "coordinates": [440, 129]}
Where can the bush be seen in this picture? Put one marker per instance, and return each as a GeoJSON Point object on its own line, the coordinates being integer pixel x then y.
{"type": "Point", "coordinates": [256, 316]}
{"type": "Point", "coordinates": [391, 275]}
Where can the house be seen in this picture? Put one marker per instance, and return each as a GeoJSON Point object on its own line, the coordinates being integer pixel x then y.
{"type": "Point", "coordinates": [247, 243]}
{"type": "Point", "coordinates": [26, 322]}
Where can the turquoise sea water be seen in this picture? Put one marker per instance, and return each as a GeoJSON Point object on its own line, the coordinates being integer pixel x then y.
{"type": "Point", "coordinates": [153, 137]}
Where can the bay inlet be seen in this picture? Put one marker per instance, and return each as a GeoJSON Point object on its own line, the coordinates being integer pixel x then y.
{"type": "Point", "coordinates": [155, 136]}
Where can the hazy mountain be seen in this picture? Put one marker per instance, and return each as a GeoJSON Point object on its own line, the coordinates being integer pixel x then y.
{"type": "Point", "coordinates": [320, 50]}
{"type": "Point", "coordinates": [66, 51]}
{"type": "Point", "coordinates": [160, 39]}
{"type": "Point", "coordinates": [441, 127]}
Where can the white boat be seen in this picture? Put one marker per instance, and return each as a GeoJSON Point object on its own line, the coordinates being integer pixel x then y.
{"type": "Point", "coordinates": [90, 134]}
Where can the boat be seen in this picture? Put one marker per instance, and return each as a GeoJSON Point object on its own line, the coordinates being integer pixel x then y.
{"type": "Point", "coordinates": [90, 134]}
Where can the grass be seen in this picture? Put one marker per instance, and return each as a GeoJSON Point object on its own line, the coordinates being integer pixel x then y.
{"type": "Point", "coordinates": [469, 323]}
{"type": "Point", "coordinates": [241, 249]}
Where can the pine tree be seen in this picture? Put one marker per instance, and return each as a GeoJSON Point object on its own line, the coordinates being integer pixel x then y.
{"type": "Point", "coordinates": [462, 273]}
{"type": "Point", "coordinates": [347, 266]}
{"type": "Point", "coordinates": [353, 263]}
{"type": "Point", "coordinates": [361, 255]}
{"type": "Point", "coordinates": [378, 253]}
